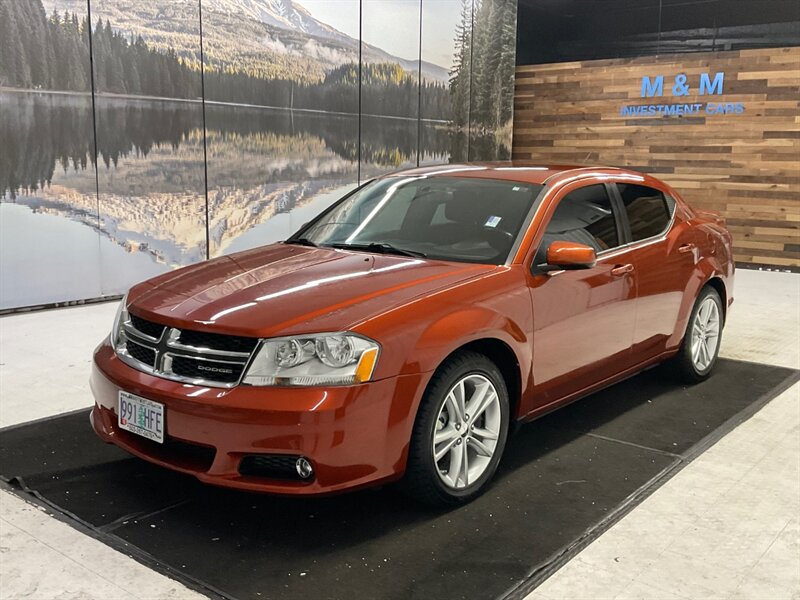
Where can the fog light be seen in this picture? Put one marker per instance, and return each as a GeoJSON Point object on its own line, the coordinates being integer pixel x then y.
{"type": "Point", "coordinates": [304, 468]}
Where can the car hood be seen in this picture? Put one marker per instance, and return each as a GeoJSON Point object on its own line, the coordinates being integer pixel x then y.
{"type": "Point", "coordinates": [286, 289]}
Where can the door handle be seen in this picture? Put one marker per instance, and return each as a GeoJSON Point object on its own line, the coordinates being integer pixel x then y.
{"type": "Point", "coordinates": [622, 270]}
{"type": "Point", "coordinates": [684, 248]}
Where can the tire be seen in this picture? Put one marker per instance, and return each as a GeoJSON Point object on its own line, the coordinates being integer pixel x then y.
{"type": "Point", "coordinates": [693, 364]}
{"type": "Point", "coordinates": [447, 482]}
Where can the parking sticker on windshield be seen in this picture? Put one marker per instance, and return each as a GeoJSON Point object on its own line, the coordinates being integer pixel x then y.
{"type": "Point", "coordinates": [492, 221]}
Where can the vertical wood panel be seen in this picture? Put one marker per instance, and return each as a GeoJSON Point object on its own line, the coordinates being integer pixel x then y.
{"type": "Point", "coordinates": [745, 166]}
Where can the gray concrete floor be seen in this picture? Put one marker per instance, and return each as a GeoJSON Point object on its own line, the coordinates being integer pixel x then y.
{"type": "Point", "coordinates": [727, 526]}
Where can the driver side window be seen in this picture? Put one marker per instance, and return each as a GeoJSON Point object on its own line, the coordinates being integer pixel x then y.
{"type": "Point", "coordinates": [584, 216]}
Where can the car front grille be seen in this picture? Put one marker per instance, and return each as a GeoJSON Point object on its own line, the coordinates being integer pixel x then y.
{"type": "Point", "coordinates": [141, 353]}
{"type": "Point", "coordinates": [185, 354]}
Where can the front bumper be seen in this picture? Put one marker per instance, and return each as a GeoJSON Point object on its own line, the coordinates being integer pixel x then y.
{"type": "Point", "coordinates": [353, 436]}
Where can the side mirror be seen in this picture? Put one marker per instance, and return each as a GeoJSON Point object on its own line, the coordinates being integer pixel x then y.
{"type": "Point", "coordinates": [570, 255]}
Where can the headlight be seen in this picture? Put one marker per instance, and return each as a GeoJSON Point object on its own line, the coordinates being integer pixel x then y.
{"type": "Point", "coordinates": [318, 359]}
{"type": "Point", "coordinates": [119, 320]}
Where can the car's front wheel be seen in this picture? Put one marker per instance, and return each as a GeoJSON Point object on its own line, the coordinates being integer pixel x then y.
{"type": "Point", "coordinates": [460, 432]}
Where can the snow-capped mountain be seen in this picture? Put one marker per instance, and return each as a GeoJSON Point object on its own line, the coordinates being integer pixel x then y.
{"type": "Point", "coordinates": [293, 16]}
{"type": "Point", "coordinates": [285, 14]}
{"type": "Point", "coordinates": [272, 38]}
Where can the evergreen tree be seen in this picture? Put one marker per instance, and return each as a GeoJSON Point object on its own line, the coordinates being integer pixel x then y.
{"type": "Point", "coordinates": [462, 66]}
{"type": "Point", "coordinates": [7, 60]}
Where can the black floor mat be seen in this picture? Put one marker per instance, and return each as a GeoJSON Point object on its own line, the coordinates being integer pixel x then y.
{"type": "Point", "coordinates": [561, 479]}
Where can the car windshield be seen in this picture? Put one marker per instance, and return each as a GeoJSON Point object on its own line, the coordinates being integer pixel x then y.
{"type": "Point", "coordinates": [447, 218]}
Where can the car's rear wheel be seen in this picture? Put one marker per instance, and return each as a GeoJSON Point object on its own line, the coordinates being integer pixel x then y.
{"type": "Point", "coordinates": [460, 432]}
{"type": "Point", "coordinates": [700, 348]}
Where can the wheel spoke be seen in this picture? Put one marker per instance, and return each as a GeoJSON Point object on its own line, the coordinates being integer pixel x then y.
{"type": "Point", "coordinates": [456, 455]}
{"type": "Point", "coordinates": [460, 393]}
{"type": "Point", "coordinates": [480, 447]}
{"type": "Point", "coordinates": [484, 434]}
{"type": "Point", "coordinates": [444, 449]}
{"type": "Point", "coordinates": [461, 398]}
{"type": "Point", "coordinates": [704, 357]}
{"type": "Point", "coordinates": [481, 403]}
{"type": "Point", "coordinates": [454, 408]}
{"type": "Point", "coordinates": [696, 350]}
{"type": "Point", "coordinates": [445, 435]}
{"type": "Point", "coordinates": [709, 351]}
{"type": "Point", "coordinates": [465, 463]}
{"type": "Point", "coordinates": [712, 341]}
{"type": "Point", "coordinates": [713, 325]}
{"type": "Point", "coordinates": [478, 397]}
{"type": "Point", "coordinates": [703, 315]}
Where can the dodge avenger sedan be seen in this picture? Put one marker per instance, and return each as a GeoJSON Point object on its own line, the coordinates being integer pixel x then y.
{"type": "Point", "coordinates": [403, 332]}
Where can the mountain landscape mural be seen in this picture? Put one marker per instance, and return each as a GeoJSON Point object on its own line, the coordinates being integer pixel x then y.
{"type": "Point", "coordinates": [163, 150]}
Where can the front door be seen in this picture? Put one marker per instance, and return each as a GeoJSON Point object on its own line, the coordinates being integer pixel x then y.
{"type": "Point", "coordinates": [583, 319]}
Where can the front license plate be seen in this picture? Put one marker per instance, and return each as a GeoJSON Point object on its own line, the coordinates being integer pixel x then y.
{"type": "Point", "coordinates": [141, 416]}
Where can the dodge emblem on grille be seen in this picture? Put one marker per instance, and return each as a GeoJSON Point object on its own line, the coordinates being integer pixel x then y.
{"type": "Point", "coordinates": [214, 369]}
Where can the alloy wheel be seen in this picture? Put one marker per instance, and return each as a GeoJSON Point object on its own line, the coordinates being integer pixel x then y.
{"type": "Point", "coordinates": [467, 431]}
{"type": "Point", "coordinates": [705, 334]}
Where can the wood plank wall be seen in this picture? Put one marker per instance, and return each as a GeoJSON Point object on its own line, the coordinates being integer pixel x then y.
{"type": "Point", "coordinates": [745, 166]}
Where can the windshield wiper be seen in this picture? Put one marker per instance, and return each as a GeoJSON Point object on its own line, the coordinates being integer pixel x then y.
{"type": "Point", "coordinates": [380, 247]}
{"type": "Point", "coordinates": [301, 241]}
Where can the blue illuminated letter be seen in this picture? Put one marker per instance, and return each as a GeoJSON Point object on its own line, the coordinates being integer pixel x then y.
{"type": "Point", "coordinates": [711, 87]}
{"type": "Point", "coordinates": [652, 88]}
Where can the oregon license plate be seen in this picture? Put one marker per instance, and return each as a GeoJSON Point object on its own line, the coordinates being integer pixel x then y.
{"type": "Point", "coordinates": [141, 416]}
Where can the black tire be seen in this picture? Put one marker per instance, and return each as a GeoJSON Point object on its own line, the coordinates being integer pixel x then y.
{"type": "Point", "coordinates": [422, 480]}
{"type": "Point", "coordinates": [682, 366]}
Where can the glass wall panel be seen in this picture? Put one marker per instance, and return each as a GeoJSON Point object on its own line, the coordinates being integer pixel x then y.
{"type": "Point", "coordinates": [149, 119]}
{"type": "Point", "coordinates": [281, 117]}
{"type": "Point", "coordinates": [492, 81]}
{"type": "Point", "coordinates": [390, 76]}
{"type": "Point", "coordinates": [48, 203]}
{"type": "Point", "coordinates": [444, 101]}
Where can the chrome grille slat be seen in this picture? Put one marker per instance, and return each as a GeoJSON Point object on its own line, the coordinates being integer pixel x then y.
{"type": "Point", "coordinates": [167, 357]}
{"type": "Point", "coordinates": [140, 338]}
{"type": "Point", "coordinates": [173, 341]}
{"type": "Point", "coordinates": [220, 343]}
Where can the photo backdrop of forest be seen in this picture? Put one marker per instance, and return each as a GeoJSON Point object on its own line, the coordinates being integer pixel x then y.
{"type": "Point", "coordinates": [133, 149]}
{"type": "Point", "coordinates": [51, 53]}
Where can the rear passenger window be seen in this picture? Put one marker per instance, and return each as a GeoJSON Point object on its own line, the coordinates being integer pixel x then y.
{"type": "Point", "coordinates": [584, 216]}
{"type": "Point", "coordinates": [649, 211]}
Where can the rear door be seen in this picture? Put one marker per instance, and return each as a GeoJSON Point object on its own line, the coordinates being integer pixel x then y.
{"type": "Point", "coordinates": [664, 254]}
{"type": "Point", "coordinates": [583, 319]}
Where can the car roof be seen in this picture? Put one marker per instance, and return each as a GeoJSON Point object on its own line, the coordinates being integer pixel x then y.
{"type": "Point", "coordinates": [521, 171]}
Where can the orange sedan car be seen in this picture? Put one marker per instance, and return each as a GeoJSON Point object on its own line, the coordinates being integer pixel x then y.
{"type": "Point", "coordinates": [401, 333]}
